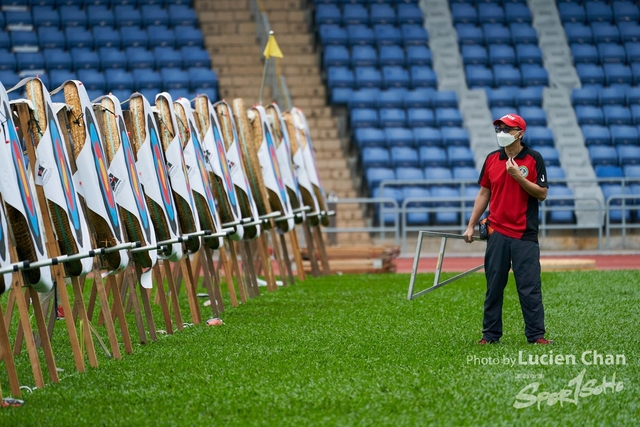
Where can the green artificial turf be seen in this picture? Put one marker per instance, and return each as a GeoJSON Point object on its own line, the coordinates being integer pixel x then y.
{"type": "Point", "coordinates": [351, 350]}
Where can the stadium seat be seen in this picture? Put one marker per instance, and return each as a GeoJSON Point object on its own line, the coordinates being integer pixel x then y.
{"type": "Point", "coordinates": [604, 32]}
{"type": "Point", "coordinates": [391, 55]}
{"type": "Point", "coordinates": [585, 96]}
{"type": "Point", "coordinates": [369, 137]}
{"type": "Point", "coordinates": [367, 77]}
{"type": "Point", "coordinates": [392, 117]}
{"type": "Point", "coordinates": [452, 135]}
{"type": "Point", "coordinates": [328, 14]}
{"type": "Point", "coordinates": [628, 154]}
{"type": "Point", "coordinates": [611, 53]}
{"type": "Point", "coordinates": [92, 79]}
{"type": "Point", "coordinates": [382, 14]}
{"type": "Point", "coordinates": [186, 35]}
{"type": "Point", "coordinates": [469, 34]}
{"type": "Point", "coordinates": [339, 77]}
{"type": "Point", "coordinates": [448, 117]}
{"type": "Point", "coordinates": [490, 13]}
{"type": "Point", "coordinates": [596, 135]}
{"type": "Point", "coordinates": [529, 95]}
{"type": "Point", "coordinates": [555, 173]}
{"type": "Point", "coordinates": [598, 11]}
{"type": "Point", "coordinates": [452, 195]}
{"type": "Point", "coordinates": [416, 216]}
{"type": "Point", "coordinates": [465, 173]}
{"type": "Point", "coordinates": [362, 56]}
{"type": "Point", "coordinates": [128, 15]}
{"type": "Point", "coordinates": [58, 77]}
{"type": "Point", "coordinates": [539, 136]}
{"type": "Point", "coordinates": [419, 98]}
{"type": "Point", "coordinates": [535, 75]}
{"type": "Point", "coordinates": [528, 54]}
{"type": "Point", "coordinates": [99, 16]}
{"type": "Point", "coordinates": [336, 56]}
{"type": "Point", "coordinates": [9, 78]}
{"type": "Point", "coordinates": [418, 55]}
{"type": "Point", "coordinates": [616, 115]}
{"type": "Point", "coordinates": [404, 157]}
{"type": "Point", "coordinates": [182, 15]}
{"type": "Point", "coordinates": [625, 12]}
{"type": "Point", "coordinates": [589, 115]}
{"type": "Point", "coordinates": [409, 173]}
{"type": "Point", "coordinates": [8, 59]}
{"type": "Point", "coordinates": [584, 54]}
{"type": "Point", "coordinates": [386, 35]}
{"type": "Point", "coordinates": [341, 95]}
{"type": "Point", "coordinates": [154, 15]}
{"type": "Point", "coordinates": [571, 12]}
{"type": "Point", "coordinates": [445, 99]}
{"type": "Point", "coordinates": [202, 78]}
{"type": "Point", "coordinates": [420, 117]}
{"type": "Point", "coordinates": [160, 35]}
{"type": "Point", "coordinates": [610, 191]}
{"type": "Point", "coordinates": [360, 34]}
{"type": "Point", "coordinates": [409, 13]}
{"type": "Point", "coordinates": [501, 54]}
{"type": "Point", "coordinates": [426, 136]}
{"type": "Point", "coordinates": [133, 37]}
{"type": "Point", "coordinates": [516, 12]}
{"type": "Point", "coordinates": [78, 37]}
{"type": "Point", "coordinates": [550, 155]}
{"type": "Point", "coordinates": [560, 216]}
{"type": "Point", "coordinates": [375, 157]}
{"type": "Point", "coordinates": [460, 156]}
{"type": "Point", "coordinates": [84, 57]}
{"type": "Point", "coordinates": [30, 61]}
{"type": "Point", "coordinates": [140, 57]}
{"type": "Point", "coordinates": [507, 75]}
{"type": "Point", "coordinates": [333, 34]}
{"type": "Point", "coordinates": [578, 32]}
{"type": "Point", "coordinates": [422, 76]}
{"type": "Point", "coordinates": [173, 78]}
{"type": "Point", "coordinates": [631, 171]}
{"type": "Point", "coordinates": [500, 97]}
{"type": "Point", "coordinates": [51, 38]}
{"type": "Point", "coordinates": [523, 34]}
{"type": "Point", "coordinates": [632, 50]}
{"type": "Point", "coordinates": [433, 156]}
{"type": "Point", "coordinates": [611, 96]}
{"type": "Point", "coordinates": [44, 16]}
{"type": "Point", "coordinates": [603, 155]}
{"type": "Point", "coordinates": [364, 98]}
{"type": "Point", "coordinates": [396, 76]}
{"type": "Point", "coordinates": [195, 56]}
{"type": "Point", "coordinates": [533, 116]}
{"type": "Point", "coordinates": [167, 57]}
{"type": "Point", "coordinates": [118, 79]}
{"type": "Point", "coordinates": [398, 137]}
{"type": "Point", "coordinates": [374, 176]}
{"type": "Point", "coordinates": [17, 18]}
{"type": "Point", "coordinates": [474, 54]}
{"type": "Point", "coordinates": [147, 78]}
{"type": "Point", "coordinates": [388, 216]}
{"type": "Point", "coordinates": [496, 34]}
{"type": "Point", "coordinates": [111, 57]}
{"type": "Point", "coordinates": [414, 35]}
{"type": "Point", "coordinates": [608, 171]}
{"type": "Point", "coordinates": [364, 118]}
{"type": "Point", "coordinates": [106, 37]}
{"type": "Point", "coordinates": [464, 13]}
{"type": "Point", "coordinates": [617, 73]}
{"type": "Point", "coordinates": [630, 32]}
{"type": "Point", "coordinates": [590, 74]}
{"type": "Point", "coordinates": [354, 14]}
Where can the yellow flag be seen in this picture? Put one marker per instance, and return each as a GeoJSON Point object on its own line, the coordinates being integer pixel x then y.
{"type": "Point", "coordinates": [272, 48]}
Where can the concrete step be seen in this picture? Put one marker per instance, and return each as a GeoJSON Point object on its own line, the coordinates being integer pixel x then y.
{"type": "Point", "coordinates": [239, 61]}
{"type": "Point", "coordinates": [306, 103]}
{"type": "Point", "coordinates": [340, 173]}
{"type": "Point", "coordinates": [222, 16]}
{"type": "Point", "coordinates": [223, 49]}
{"type": "Point", "coordinates": [222, 28]}
{"type": "Point", "coordinates": [305, 91]}
{"type": "Point", "coordinates": [243, 40]}
{"type": "Point", "coordinates": [235, 70]}
{"type": "Point", "coordinates": [220, 5]}
{"type": "Point", "coordinates": [253, 81]}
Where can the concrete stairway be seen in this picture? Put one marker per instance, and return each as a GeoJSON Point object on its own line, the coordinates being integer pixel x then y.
{"type": "Point", "coordinates": [230, 37]}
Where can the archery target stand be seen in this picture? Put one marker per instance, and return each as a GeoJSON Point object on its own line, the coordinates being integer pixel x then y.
{"type": "Point", "coordinates": [436, 280]}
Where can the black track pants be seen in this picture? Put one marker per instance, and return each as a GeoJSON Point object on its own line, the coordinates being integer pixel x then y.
{"type": "Point", "coordinates": [501, 252]}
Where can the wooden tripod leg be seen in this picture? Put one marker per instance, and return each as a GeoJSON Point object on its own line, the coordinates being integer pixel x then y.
{"type": "Point", "coordinates": [295, 248]}
{"type": "Point", "coordinates": [243, 266]}
{"type": "Point", "coordinates": [92, 299]}
{"type": "Point", "coordinates": [7, 357]}
{"type": "Point", "coordinates": [323, 252]}
{"type": "Point", "coordinates": [172, 291]}
{"type": "Point", "coordinates": [146, 305]}
{"type": "Point", "coordinates": [276, 251]}
{"type": "Point", "coordinates": [44, 337]}
{"type": "Point", "coordinates": [208, 266]}
{"type": "Point", "coordinates": [190, 288]}
{"type": "Point", "coordinates": [247, 256]}
{"type": "Point", "coordinates": [206, 280]}
{"type": "Point", "coordinates": [311, 250]}
{"type": "Point", "coordinates": [118, 308]}
{"type": "Point", "coordinates": [162, 297]}
{"type": "Point", "coordinates": [267, 268]}
{"type": "Point", "coordinates": [228, 276]}
{"type": "Point", "coordinates": [286, 259]}
{"type": "Point", "coordinates": [135, 305]}
{"type": "Point", "coordinates": [79, 308]}
{"type": "Point", "coordinates": [23, 312]}
{"type": "Point", "coordinates": [233, 255]}
{"type": "Point", "coordinates": [8, 315]}
{"type": "Point", "coordinates": [106, 314]}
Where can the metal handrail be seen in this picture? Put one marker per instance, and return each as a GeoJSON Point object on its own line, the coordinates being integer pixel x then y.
{"type": "Point", "coordinates": [624, 207]}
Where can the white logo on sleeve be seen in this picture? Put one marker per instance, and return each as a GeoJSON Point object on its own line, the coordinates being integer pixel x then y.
{"type": "Point", "coordinates": [542, 178]}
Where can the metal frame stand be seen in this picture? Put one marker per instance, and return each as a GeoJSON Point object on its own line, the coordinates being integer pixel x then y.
{"type": "Point", "coordinates": [436, 283]}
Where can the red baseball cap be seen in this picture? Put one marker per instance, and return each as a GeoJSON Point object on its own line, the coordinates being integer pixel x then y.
{"type": "Point", "coordinates": [512, 120]}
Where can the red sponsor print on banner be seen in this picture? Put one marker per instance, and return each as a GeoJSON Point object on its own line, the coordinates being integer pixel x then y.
{"type": "Point", "coordinates": [203, 171]}
{"type": "Point", "coordinates": [66, 181]}
{"type": "Point", "coordinates": [162, 175]}
{"type": "Point", "coordinates": [222, 157]}
{"type": "Point", "coordinates": [100, 164]}
{"type": "Point", "coordinates": [28, 201]}
{"type": "Point", "coordinates": [274, 162]}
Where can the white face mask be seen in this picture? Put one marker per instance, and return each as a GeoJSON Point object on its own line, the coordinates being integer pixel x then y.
{"type": "Point", "coordinates": [505, 139]}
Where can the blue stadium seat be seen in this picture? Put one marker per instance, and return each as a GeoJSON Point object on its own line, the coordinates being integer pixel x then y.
{"type": "Point", "coordinates": [464, 13]}
{"type": "Point", "coordinates": [535, 75]}
{"type": "Point", "coordinates": [9, 78]}
{"type": "Point", "coordinates": [202, 78]}
{"type": "Point", "coordinates": [392, 117]}
{"type": "Point", "coordinates": [474, 54]}
{"type": "Point", "coordinates": [584, 53]}
{"type": "Point", "coordinates": [72, 16]}
{"type": "Point", "coordinates": [58, 77]}
{"type": "Point", "coordinates": [382, 14]}
{"type": "Point", "coordinates": [539, 136]}
{"type": "Point", "coordinates": [92, 79]}
{"type": "Point", "coordinates": [478, 75]}
{"type": "Point", "coordinates": [364, 98]}
{"type": "Point", "coordinates": [328, 14]}
{"type": "Point", "coordinates": [500, 97]}
{"type": "Point", "coordinates": [578, 32]}
{"type": "Point", "coordinates": [30, 61]}
{"type": "Point", "coordinates": [523, 34]}
{"type": "Point", "coordinates": [388, 216]}
{"type": "Point", "coordinates": [427, 137]}
{"type": "Point", "coordinates": [442, 217]}
{"type": "Point", "coordinates": [610, 191]}
{"type": "Point", "coordinates": [337, 56]}
{"type": "Point", "coordinates": [612, 53]}
{"type": "Point", "coordinates": [448, 117]}
{"type": "Point", "coordinates": [364, 118]}
{"type": "Point", "coordinates": [501, 54]}
{"type": "Point", "coordinates": [590, 74]}
{"type": "Point", "coordinates": [127, 15]}
{"type": "Point", "coordinates": [339, 77]}
{"type": "Point", "coordinates": [635, 113]}
{"type": "Point", "coordinates": [589, 115]}
{"type": "Point", "coordinates": [414, 35]}
{"type": "Point", "coordinates": [530, 95]}
{"type": "Point", "coordinates": [617, 73]}
{"type": "Point", "coordinates": [398, 137]}
{"type": "Point", "coordinates": [596, 135]}
{"type": "Point", "coordinates": [369, 137]}
{"type": "Point", "coordinates": [367, 77]}
{"type": "Point", "coordinates": [433, 156]}
{"type": "Point", "coordinates": [445, 99]}
{"type": "Point", "coordinates": [410, 173]}
{"type": "Point", "coordinates": [633, 95]}
{"type": "Point", "coordinates": [496, 34]}
{"type": "Point", "coordinates": [173, 78]}
{"type": "Point", "coordinates": [140, 57]}
{"type": "Point", "coordinates": [616, 115]}
{"type": "Point", "coordinates": [17, 18]}
{"type": "Point", "coordinates": [419, 98]}
{"type": "Point", "coordinates": [333, 34]}
{"type": "Point", "coordinates": [99, 16]}
{"type": "Point", "coordinates": [571, 12]}
{"type": "Point", "coordinates": [516, 12]}
{"type": "Point", "coordinates": [387, 35]}
{"type": "Point", "coordinates": [43, 16]}
{"type": "Point", "coordinates": [133, 37]}
{"type": "Point", "coordinates": [375, 157]}
{"type": "Point", "coordinates": [118, 79]}
{"type": "Point", "coordinates": [391, 98]}
{"type": "Point", "coordinates": [631, 171]}
{"type": "Point", "coordinates": [417, 217]}
{"type": "Point", "coordinates": [598, 11]}
{"type": "Point", "coordinates": [635, 71]}
{"type": "Point", "coordinates": [51, 38]}
{"type": "Point", "coordinates": [533, 116]}
{"type": "Point", "coordinates": [555, 173]}
{"type": "Point", "coordinates": [354, 14]}
{"type": "Point", "coordinates": [182, 15]}
{"type": "Point", "coordinates": [469, 34]}
{"type": "Point", "coordinates": [608, 171]}
{"type": "Point", "coordinates": [498, 112]}
{"type": "Point", "coordinates": [360, 34]}
{"type": "Point", "coordinates": [550, 155]}
{"type": "Point", "coordinates": [84, 57]}
{"type": "Point", "coordinates": [341, 95]}
{"type": "Point", "coordinates": [560, 216]}
{"type": "Point", "coordinates": [460, 156]}
{"type": "Point", "coordinates": [603, 155]}
{"type": "Point", "coordinates": [154, 15]}
{"type": "Point", "coordinates": [423, 76]}
{"type": "Point", "coordinates": [195, 56]}
{"type": "Point", "coordinates": [420, 117]}
{"type": "Point", "coordinates": [363, 56]}
{"type": "Point", "coordinates": [409, 13]}
{"type": "Point", "coordinates": [404, 157]}
{"type": "Point", "coordinates": [611, 96]}
{"type": "Point", "coordinates": [490, 13]}
{"type": "Point", "coordinates": [146, 78]}
{"type": "Point", "coordinates": [452, 135]}
{"type": "Point", "coordinates": [160, 35]}
{"type": "Point", "coordinates": [418, 55]}
{"type": "Point", "coordinates": [632, 50]}
{"type": "Point", "coordinates": [468, 173]}
{"type": "Point", "coordinates": [391, 55]}
{"type": "Point", "coordinates": [167, 57]}
{"type": "Point", "coordinates": [624, 135]}
{"type": "Point", "coordinates": [111, 57]}
{"type": "Point", "coordinates": [78, 37]}
{"type": "Point", "coordinates": [8, 59]}
{"type": "Point", "coordinates": [507, 75]}
{"type": "Point", "coordinates": [106, 37]}
{"type": "Point", "coordinates": [629, 32]}
{"type": "Point", "coordinates": [528, 54]}
{"type": "Point", "coordinates": [585, 96]}
{"type": "Point", "coordinates": [188, 36]}
{"type": "Point", "coordinates": [628, 154]}
{"type": "Point", "coordinates": [604, 32]}
{"type": "Point", "coordinates": [624, 11]}
{"type": "Point", "coordinates": [396, 76]}
{"type": "Point", "coordinates": [374, 176]}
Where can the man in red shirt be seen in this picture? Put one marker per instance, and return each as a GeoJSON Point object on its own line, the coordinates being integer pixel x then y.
{"type": "Point", "coordinates": [512, 181]}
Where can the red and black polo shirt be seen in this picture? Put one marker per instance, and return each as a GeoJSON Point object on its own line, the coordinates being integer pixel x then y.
{"type": "Point", "coordinates": [512, 211]}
